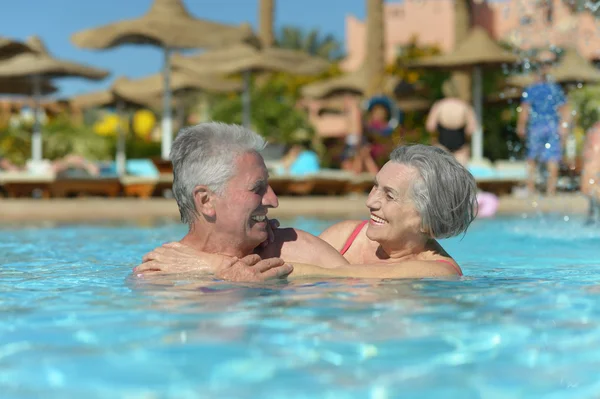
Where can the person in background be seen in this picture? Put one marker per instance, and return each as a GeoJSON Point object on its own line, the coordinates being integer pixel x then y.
{"type": "Point", "coordinates": [542, 123]}
{"type": "Point", "coordinates": [453, 119]}
{"type": "Point", "coordinates": [299, 159]}
{"type": "Point", "coordinates": [356, 157]}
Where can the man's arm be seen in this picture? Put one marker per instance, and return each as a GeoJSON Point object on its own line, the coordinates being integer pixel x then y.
{"type": "Point", "coordinates": [407, 269]}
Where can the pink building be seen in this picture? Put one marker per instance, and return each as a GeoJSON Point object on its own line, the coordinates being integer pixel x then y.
{"type": "Point", "coordinates": [524, 23]}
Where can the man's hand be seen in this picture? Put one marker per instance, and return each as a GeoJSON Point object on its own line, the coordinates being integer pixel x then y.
{"type": "Point", "coordinates": [254, 269]}
{"type": "Point", "coordinates": [175, 257]}
{"type": "Point", "coordinates": [521, 132]}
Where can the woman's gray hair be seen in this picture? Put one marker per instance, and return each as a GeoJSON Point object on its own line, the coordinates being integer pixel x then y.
{"type": "Point", "coordinates": [205, 155]}
{"type": "Point", "coordinates": [445, 195]}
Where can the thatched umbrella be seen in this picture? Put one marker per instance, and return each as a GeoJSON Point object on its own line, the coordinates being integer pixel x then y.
{"type": "Point", "coordinates": [109, 98]}
{"type": "Point", "coordinates": [355, 82]}
{"type": "Point", "coordinates": [10, 48]}
{"type": "Point", "coordinates": [573, 68]}
{"type": "Point", "coordinates": [40, 64]}
{"type": "Point", "coordinates": [22, 86]}
{"type": "Point", "coordinates": [245, 58]}
{"type": "Point", "coordinates": [477, 51]}
{"type": "Point", "coordinates": [170, 26]}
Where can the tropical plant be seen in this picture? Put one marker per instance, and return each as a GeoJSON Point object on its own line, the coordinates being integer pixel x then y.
{"type": "Point", "coordinates": [274, 112]}
{"type": "Point", "coordinates": [60, 137]}
{"type": "Point", "coordinates": [312, 42]}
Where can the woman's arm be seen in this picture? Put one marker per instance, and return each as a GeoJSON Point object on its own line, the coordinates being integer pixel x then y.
{"type": "Point", "coordinates": [432, 118]}
{"type": "Point", "coordinates": [407, 269]}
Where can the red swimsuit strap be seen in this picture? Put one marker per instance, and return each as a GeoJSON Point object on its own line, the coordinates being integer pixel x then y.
{"type": "Point", "coordinates": [451, 264]}
{"type": "Point", "coordinates": [353, 236]}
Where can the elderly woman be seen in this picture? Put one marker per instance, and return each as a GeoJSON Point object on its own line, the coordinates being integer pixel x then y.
{"type": "Point", "coordinates": [421, 194]}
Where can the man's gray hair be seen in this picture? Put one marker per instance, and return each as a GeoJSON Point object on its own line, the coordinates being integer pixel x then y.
{"type": "Point", "coordinates": [445, 195]}
{"type": "Point", "coordinates": [205, 154]}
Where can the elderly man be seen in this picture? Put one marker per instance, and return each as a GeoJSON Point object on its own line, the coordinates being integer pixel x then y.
{"type": "Point", "coordinates": [222, 190]}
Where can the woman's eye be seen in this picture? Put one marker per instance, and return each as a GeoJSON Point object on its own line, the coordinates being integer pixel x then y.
{"type": "Point", "coordinates": [388, 196]}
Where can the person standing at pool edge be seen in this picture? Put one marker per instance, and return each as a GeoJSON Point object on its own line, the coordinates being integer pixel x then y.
{"type": "Point", "coordinates": [544, 112]}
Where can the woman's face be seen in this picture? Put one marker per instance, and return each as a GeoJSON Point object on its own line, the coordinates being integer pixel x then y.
{"type": "Point", "coordinates": [394, 217]}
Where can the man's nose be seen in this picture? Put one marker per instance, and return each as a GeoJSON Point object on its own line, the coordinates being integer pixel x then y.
{"type": "Point", "coordinates": [270, 199]}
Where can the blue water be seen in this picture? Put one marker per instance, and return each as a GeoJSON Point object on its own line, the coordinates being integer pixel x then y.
{"type": "Point", "coordinates": [524, 322]}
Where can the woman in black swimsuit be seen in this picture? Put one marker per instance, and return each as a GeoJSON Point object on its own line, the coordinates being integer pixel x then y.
{"type": "Point", "coordinates": [453, 120]}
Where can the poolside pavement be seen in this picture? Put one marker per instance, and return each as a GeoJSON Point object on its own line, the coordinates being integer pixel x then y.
{"type": "Point", "coordinates": [104, 209]}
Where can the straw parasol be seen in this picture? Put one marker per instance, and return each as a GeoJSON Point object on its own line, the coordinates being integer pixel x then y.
{"type": "Point", "coordinates": [40, 64]}
{"type": "Point", "coordinates": [21, 86]}
{"type": "Point", "coordinates": [110, 98]}
{"type": "Point", "coordinates": [572, 68]}
{"type": "Point", "coordinates": [10, 48]}
{"type": "Point", "coordinates": [355, 82]}
{"type": "Point", "coordinates": [477, 51]}
{"type": "Point", "coordinates": [169, 25]}
{"type": "Point", "coordinates": [153, 85]}
{"type": "Point", "coordinates": [245, 58]}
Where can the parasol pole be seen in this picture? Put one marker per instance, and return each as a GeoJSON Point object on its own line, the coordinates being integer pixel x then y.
{"type": "Point", "coordinates": [477, 141]}
{"type": "Point", "coordinates": [246, 111]}
{"type": "Point", "coordinates": [167, 123]}
{"type": "Point", "coordinates": [36, 137]}
{"type": "Point", "coordinates": [120, 158]}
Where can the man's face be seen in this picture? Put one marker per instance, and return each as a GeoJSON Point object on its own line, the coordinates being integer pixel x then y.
{"type": "Point", "coordinates": [242, 208]}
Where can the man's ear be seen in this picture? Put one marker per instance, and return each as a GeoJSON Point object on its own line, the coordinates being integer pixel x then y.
{"type": "Point", "coordinates": [204, 201]}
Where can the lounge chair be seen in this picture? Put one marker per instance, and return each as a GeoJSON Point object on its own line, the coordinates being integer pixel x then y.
{"type": "Point", "coordinates": [330, 181]}
{"type": "Point", "coordinates": [141, 178]}
{"type": "Point", "coordinates": [501, 177]}
{"type": "Point", "coordinates": [360, 183]}
{"type": "Point", "coordinates": [24, 184]}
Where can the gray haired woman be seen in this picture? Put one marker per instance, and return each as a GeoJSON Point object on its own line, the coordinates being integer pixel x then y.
{"type": "Point", "coordinates": [421, 194]}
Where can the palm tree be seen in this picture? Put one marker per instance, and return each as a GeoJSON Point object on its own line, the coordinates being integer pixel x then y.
{"type": "Point", "coordinates": [266, 16]}
{"type": "Point", "coordinates": [375, 61]}
{"type": "Point", "coordinates": [312, 42]}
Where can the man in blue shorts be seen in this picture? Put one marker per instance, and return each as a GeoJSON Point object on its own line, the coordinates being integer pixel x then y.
{"type": "Point", "coordinates": [544, 112]}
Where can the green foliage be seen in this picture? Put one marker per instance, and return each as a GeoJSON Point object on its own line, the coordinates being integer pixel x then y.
{"type": "Point", "coordinates": [60, 137]}
{"type": "Point", "coordinates": [312, 42]}
{"type": "Point", "coordinates": [586, 103]}
{"type": "Point", "coordinates": [274, 114]}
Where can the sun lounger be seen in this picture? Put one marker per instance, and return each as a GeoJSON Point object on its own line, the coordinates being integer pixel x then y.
{"type": "Point", "coordinates": [138, 186]}
{"type": "Point", "coordinates": [330, 181]}
{"type": "Point", "coordinates": [500, 178]}
{"type": "Point", "coordinates": [164, 185]}
{"type": "Point", "coordinates": [25, 184]}
{"type": "Point", "coordinates": [82, 186]}
{"type": "Point", "coordinates": [360, 183]}
{"type": "Point", "coordinates": [281, 184]}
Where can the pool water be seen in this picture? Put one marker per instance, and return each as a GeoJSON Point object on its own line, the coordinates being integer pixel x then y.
{"type": "Point", "coordinates": [524, 322]}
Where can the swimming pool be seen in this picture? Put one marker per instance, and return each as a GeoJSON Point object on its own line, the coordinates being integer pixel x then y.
{"type": "Point", "coordinates": [523, 322]}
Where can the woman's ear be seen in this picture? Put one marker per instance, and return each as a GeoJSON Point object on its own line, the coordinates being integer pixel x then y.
{"type": "Point", "coordinates": [204, 200]}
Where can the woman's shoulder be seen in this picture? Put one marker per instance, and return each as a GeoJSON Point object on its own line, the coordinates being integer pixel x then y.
{"type": "Point", "coordinates": [337, 235]}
